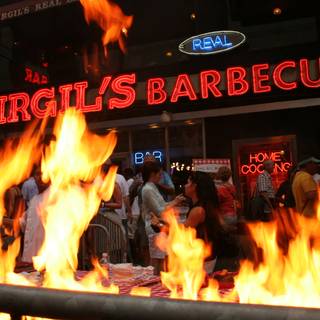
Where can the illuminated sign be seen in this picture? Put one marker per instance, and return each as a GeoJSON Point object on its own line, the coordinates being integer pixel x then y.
{"type": "Point", "coordinates": [212, 42]}
{"type": "Point", "coordinates": [122, 94]}
{"type": "Point", "coordinates": [35, 77]}
{"type": "Point", "coordinates": [22, 8]}
{"type": "Point", "coordinates": [139, 156]}
{"type": "Point", "coordinates": [255, 164]}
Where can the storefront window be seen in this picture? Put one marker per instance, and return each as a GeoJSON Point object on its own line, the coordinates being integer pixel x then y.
{"type": "Point", "coordinates": [123, 142]}
{"type": "Point", "coordinates": [250, 158]}
{"type": "Point", "coordinates": [185, 141]}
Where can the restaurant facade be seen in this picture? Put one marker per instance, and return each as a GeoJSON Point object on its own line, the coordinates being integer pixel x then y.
{"type": "Point", "coordinates": [240, 106]}
{"type": "Point", "coordinates": [245, 114]}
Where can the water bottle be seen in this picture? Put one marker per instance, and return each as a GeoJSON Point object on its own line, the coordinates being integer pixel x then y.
{"type": "Point", "coordinates": [104, 260]}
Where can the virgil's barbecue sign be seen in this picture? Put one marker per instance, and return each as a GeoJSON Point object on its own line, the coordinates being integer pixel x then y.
{"type": "Point", "coordinates": [212, 42]}
{"type": "Point", "coordinates": [25, 7]}
{"type": "Point", "coordinates": [122, 89]}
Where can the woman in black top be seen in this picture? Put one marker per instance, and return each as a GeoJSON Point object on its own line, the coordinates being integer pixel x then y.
{"type": "Point", "coordinates": [204, 213]}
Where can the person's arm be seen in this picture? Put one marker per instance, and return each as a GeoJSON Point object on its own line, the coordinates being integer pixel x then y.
{"type": "Point", "coordinates": [167, 186]}
{"type": "Point", "coordinates": [7, 222]}
{"type": "Point", "coordinates": [196, 216]}
{"type": "Point", "coordinates": [151, 201]}
{"type": "Point", "coordinates": [116, 202]}
{"type": "Point", "coordinates": [309, 187]}
{"type": "Point", "coordinates": [126, 199]}
{"type": "Point", "coordinates": [23, 221]}
{"type": "Point", "coordinates": [312, 195]}
{"type": "Point", "coordinates": [281, 192]}
{"type": "Point", "coordinates": [10, 202]}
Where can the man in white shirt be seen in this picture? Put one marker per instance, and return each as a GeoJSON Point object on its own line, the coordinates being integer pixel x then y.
{"type": "Point", "coordinates": [125, 212]}
{"type": "Point", "coordinates": [30, 187]}
{"type": "Point", "coordinates": [32, 227]}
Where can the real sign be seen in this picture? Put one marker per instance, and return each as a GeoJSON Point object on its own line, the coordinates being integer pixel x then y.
{"type": "Point", "coordinates": [212, 42]}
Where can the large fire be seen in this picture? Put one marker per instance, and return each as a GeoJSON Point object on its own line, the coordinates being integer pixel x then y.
{"type": "Point", "coordinates": [289, 245]}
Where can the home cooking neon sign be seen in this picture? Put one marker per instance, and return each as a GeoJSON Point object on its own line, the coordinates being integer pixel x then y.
{"type": "Point", "coordinates": [259, 78]}
{"type": "Point", "coordinates": [255, 164]}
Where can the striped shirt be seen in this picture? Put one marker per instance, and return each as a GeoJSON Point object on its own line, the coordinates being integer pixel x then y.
{"type": "Point", "coordinates": [264, 184]}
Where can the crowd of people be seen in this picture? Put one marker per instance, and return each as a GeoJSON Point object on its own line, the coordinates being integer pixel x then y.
{"type": "Point", "coordinates": [140, 200]}
{"type": "Point", "coordinates": [298, 192]}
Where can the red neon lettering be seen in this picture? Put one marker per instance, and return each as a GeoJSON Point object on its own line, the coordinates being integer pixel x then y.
{"type": "Point", "coordinates": [244, 169]}
{"type": "Point", "coordinates": [257, 78]}
{"type": "Point", "coordinates": [287, 166]}
{"type": "Point", "coordinates": [305, 74]}
{"type": "Point", "coordinates": [211, 85]}
{"type": "Point", "coordinates": [3, 101]}
{"type": "Point", "coordinates": [276, 156]}
{"type": "Point", "coordinates": [65, 96]}
{"type": "Point", "coordinates": [277, 76]}
{"type": "Point", "coordinates": [183, 88]}
{"type": "Point", "coordinates": [80, 88]}
{"type": "Point", "coordinates": [28, 75]}
{"type": "Point", "coordinates": [252, 158]}
{"type": "Point", "coordinates": [51, 106]}
{"type": "Point", "coordinates": [127, 91]}
{"type": "Point", "coordinates": [104, 85]}
{"type": "Point", "coordinates": [36, 78]}
{"type": "Point", "coordinates": [259, 168]}
{"type": "Point", "coordinates": [15, 99]}
{"type": "Point", "coordinates": [236, 76]}
{"type": "Point", "coordinates": [261, 157]}
{"type": "Point", "coordinates": [44, 79]}
{"type": "Point", "coordinates": [155, 87]}
{"type": "Point", "coordinates": [278, 168]}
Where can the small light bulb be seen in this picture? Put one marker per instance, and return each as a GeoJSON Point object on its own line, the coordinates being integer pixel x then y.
{"type": "Point", "coordinates": [277, 11]}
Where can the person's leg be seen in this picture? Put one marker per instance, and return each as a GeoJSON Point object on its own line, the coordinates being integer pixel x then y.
{"type": "Point", "coordinates": [157, 265]}
{"type": "Point", "coordinates": [125, 225]}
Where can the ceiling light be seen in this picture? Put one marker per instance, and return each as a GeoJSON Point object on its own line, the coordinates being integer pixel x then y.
{"type": "Point", "coordinates": [277, 11]}
{"type": "Point", "coordinates": [154, 126]}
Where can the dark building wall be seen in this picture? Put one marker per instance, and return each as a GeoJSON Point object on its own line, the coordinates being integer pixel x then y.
{"type": "Point", "coordinates": [304, 123]}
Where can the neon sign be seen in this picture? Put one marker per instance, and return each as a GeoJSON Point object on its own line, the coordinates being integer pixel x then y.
{"type": "Point", "coordinates": [35, 77]}
{"type": "Point", "coordinates": [121, 89]}
{"type": "Point", "coordinates": [139, 156]}
{"type": "Point", "coordinates": [212, 42]}
{"type": "Point", "coordinates": [255, 165]}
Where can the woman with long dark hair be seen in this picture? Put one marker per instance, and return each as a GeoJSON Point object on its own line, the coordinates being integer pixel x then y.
{"type": "Point", "coordinates": [153, 205]}
{"type": "Point", "coordinates": [204, 214]}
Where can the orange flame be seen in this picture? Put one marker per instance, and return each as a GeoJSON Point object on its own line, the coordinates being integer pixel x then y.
{"type": "Point", "coordinates": [71, 164]}
{"type": "Point", "coordinates": [110, 18]}
{"type": "Point", "coordinates": [186, 256]}
{"type": "Point", "coordinates": [17, 159]}
{"type": "Point", "coordinates": [140, 292]}
{"type": "Point", "coordinates": [289, 274]}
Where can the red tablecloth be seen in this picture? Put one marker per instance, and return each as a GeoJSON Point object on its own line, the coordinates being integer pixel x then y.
{"type": "Point", "coordinates": [154, 283]}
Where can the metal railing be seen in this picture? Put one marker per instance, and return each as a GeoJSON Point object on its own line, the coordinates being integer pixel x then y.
{"type": "Point", "coordinates": [57, 304]}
